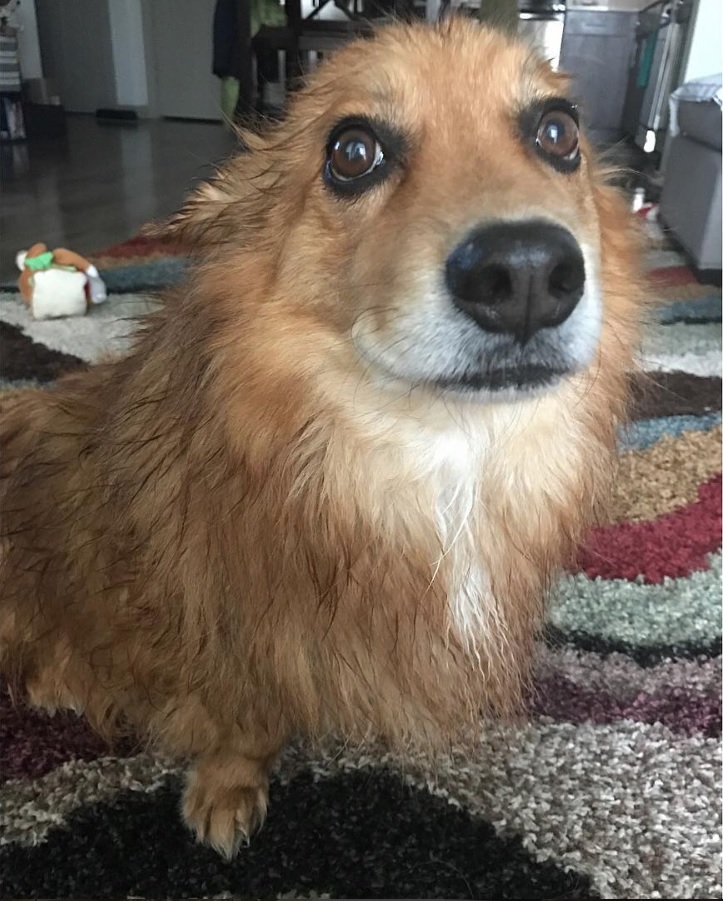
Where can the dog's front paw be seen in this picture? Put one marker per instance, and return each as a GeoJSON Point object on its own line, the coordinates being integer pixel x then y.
{"type": "Point", "coordinates": [223, 816]}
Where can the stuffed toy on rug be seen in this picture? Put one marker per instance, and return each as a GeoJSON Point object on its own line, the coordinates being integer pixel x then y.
{"type": "Point", "coordinates": [55, 283]}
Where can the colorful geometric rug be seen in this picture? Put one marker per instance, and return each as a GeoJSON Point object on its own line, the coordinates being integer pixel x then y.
{"type": "Point", "coordinates": [610, 789]}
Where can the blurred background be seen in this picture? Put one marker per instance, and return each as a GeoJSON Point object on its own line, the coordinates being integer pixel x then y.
{"type": "Point", "coordinates": [111, 108]}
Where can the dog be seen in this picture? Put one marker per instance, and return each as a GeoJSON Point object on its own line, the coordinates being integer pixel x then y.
{"type": "Point", "coordinates": [327, 489]}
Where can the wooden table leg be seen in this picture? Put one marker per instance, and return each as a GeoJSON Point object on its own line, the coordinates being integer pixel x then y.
{"type": "Point", "coordinates": [293, 58]}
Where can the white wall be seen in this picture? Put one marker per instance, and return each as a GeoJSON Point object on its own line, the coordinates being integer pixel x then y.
{"type": "Point", "coordinates": [625, 6]}
{"type": "Point", "coordinates": [704, 57]}
{"type": "Point", "coordinates": [28, 43]}
{"type": "Point", "coordinates": [129, 55]}
{"type": "Point", "coordinates": [92, 49]}
{"type": "Point", "coordinates": [77, 54]}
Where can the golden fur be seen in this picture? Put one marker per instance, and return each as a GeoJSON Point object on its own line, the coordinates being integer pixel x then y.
{"type": "Point", "coordinates": [242, 531]}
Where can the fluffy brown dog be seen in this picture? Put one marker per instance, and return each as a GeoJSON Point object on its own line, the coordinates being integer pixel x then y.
{"type": "Point", "coordinates": [328, 487]}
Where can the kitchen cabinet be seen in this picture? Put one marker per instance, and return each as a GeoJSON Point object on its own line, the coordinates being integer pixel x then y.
{"type": "Point", "coordinates": [596, 52]}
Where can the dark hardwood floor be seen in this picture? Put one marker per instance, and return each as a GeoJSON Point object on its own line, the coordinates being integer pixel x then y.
{"type": "Point", "coordinates": [98, 185]}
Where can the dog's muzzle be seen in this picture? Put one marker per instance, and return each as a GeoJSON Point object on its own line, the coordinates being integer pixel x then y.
{"type": "Point", "coordinates": [516, 278]}
{"type": "Point", "coordinates": [516, 307]}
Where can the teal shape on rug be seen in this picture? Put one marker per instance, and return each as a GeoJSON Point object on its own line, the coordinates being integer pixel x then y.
{"type": "Point", "coordinates": [144, 276]}
{"type": "Point", "coordinates": [704, 309]}
{"type": "Point", "coordinates": [647, 432]}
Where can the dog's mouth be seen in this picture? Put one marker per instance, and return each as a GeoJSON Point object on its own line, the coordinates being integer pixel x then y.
{"type": "Point", "coordinates": [518, 378]}
{"type": "Point", "coordinates": [437, 348]}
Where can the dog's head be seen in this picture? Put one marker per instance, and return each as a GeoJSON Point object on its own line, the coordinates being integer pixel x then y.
{"type": "Point", "coordinates": [430, 201]}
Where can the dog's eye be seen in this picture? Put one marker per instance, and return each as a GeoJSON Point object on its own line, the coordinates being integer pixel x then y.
{"type": "Point", "coordinates": [354, 153]}
{"type": "Point", "coordinates": [558, 136]}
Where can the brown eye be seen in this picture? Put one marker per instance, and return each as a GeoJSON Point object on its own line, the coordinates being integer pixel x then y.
{"type": "Point", "coordinates": [559, 136]}
{"type": "Point", "coordinates": [354, 153]}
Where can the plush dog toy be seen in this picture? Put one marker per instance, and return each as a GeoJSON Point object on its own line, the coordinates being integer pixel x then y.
{"type": "Point", "coordinates": [56, 283]}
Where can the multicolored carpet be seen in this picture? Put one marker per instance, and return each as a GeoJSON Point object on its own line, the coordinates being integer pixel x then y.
{"type": "Point", "coordinates": [611, 788]}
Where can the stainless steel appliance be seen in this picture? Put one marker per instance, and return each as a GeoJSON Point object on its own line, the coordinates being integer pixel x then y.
{"type": "Point", "coordinates": [542, 23]}
{"type": "Point", "coordinates": [659, 48]}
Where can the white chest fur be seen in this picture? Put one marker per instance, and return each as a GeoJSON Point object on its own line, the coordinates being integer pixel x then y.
{"type": "Point", "coordinates": [431, 468]}
{"type": "Point", "coordinates": [452, 474]}
{"type": "Point", "coordinates": [426, 478]}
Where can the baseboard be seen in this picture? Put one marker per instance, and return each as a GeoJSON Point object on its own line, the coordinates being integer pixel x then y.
{"type": "Point", "coordinates": [125, 116]}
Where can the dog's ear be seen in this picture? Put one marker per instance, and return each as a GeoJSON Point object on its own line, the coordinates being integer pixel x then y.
{"type": "Point", "coordinates": [202, 219]}
{"type": "Point", "coordinates": [225, 207]}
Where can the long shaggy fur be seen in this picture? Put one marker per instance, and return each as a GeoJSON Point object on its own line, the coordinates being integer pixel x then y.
{"type": "Point", "coordinates": [236, 534]}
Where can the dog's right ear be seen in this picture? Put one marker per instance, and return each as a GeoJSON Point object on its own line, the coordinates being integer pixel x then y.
{"type": "Point", "coordinates": [223, 208]}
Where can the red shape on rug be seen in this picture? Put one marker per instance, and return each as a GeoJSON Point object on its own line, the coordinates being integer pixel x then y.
{"type": "Point", "coordinates": [672, 276]}
{"type": "Point", "coordinates": [682, 710]}
{"type": "Point", "coordinates": [140, 246]}
{"type": "Point", "coordinates": [32, 742]}
{"type": "Point", "coordinates": [674, 544]}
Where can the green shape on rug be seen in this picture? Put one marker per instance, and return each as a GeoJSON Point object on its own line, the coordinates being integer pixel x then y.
{"type": "Point", "coordinates": [678, 611]}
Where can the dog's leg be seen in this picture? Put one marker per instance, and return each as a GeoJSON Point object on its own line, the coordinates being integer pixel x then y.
{"type": "Point", "coordinates": [227, 794]}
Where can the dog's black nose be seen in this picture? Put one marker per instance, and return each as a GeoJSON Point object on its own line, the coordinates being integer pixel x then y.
{"type": "Point", "coordinates": [517, 277]}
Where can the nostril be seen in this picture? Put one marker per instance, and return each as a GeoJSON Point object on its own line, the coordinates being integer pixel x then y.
{"type": "Point", "coordinates": [495, 284]}
{"type": "Point", "coordinates": [566, 278]}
